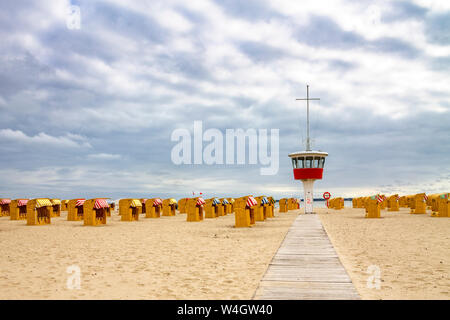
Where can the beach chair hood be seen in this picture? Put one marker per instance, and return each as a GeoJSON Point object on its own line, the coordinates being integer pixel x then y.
{"type": "Point", "coordinates": [100, 203]}
{"type": "Point", "coordinates": [135, 203]}
{"type": "Point", "coordinates": [43, 203]}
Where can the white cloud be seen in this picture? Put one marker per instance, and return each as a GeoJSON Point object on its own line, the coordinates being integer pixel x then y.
{"type": "Point", "coordinates": [69, 140]}
{"type": "Point", "coordinates": [104, 156]}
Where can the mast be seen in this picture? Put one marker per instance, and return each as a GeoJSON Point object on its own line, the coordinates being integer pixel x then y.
{"type": "Point", "coordinates": [308, 140]}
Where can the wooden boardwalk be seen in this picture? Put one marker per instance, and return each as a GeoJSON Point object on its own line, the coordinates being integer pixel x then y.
{"type": "Point", "coordinates": [306, 266]}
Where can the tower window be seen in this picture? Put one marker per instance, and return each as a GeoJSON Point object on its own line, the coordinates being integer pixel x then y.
{"type": "Point", "coordinates": [309, 162]}
{"type": "Point", "coordinates": [322, 162]}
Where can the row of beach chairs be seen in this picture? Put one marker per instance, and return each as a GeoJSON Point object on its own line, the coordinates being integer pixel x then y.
{"type": "Point", "coordinates": [247, 209]}
{"type": "Point", "coordinates": [438, 203]}
{"type": "Point", "coordinates": [287, 204]}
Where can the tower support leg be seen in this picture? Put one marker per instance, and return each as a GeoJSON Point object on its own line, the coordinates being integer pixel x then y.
{"type": "Point", "coordinates": [309, 198]}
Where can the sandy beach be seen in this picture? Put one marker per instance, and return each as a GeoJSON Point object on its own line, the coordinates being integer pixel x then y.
{"type": "Point", "coordinates": [412, 252]}
{"type": "Point", "coordinates": [165, 258]}
{"type": "Point", "coordinates": [169, 258]}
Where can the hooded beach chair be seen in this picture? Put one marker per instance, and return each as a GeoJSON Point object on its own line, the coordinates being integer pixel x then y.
{"type": "Point", "coordinates": [56, 205]}
{"type": "Point", "coordinates": [402, 202]}
{"type": "Point", "coordinates": [373, 205]}
{"type": "Point", "coordinates": [418, 204]}
{"type": "Point", "coordinates": [266, 207]}
{"type": "Point", "coordinates": [75, 209]}
{"type": "Point", "coordinates": [64, 205]}
{"type": "Point", "coordinates": [291, 204]}
{"type": "Point", "coordinates": [182, 203]}
{"type": "Point", "coordinates": [260, 214]}
{"type": "Point", "coordinates": [410, 203]}
{"type": "Point", "coordinates": [231, 201]}
{"type": "Point", "coordinates": [392, 203]}
{"type": "Point", "coordinates": [440, 205]}
{"type": "Point", "coordinates": [18, 208]}
{"type": "Point", "coordinates": [129, 209]}
{"type": "Point", "coordinates": [244, 211]}
{"type": "Point", "coordinates": [271, 208]}
{"type": "Point", "coordinates": [220, 208]}
{"type": "Point", "coordinates": [5, 207]}
{"type": "Point", "coordinates": [39, 212]}
{"type": "Point", "coordinates": [169, 207]}
{"type": "Point", "coordinates": [194, 208]}
{"type": "Point", "coordinates": [360, 202]}
{"type": "Point", "coordinates": [211, 210]}
{"type": "Point", "coordinates": [226, 206]}
{"type": "Point", "coordinates": [153, 208]}
{"type": "Point", "coordinates": [283, 205]}
{"type": "Point", "coordinates": [95, 211]}
{"type": "Point", "coordinates": [338, 203]}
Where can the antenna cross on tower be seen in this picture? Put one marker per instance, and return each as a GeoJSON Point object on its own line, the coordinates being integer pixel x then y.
{"type": "Point", "coordinates": [308, 140]}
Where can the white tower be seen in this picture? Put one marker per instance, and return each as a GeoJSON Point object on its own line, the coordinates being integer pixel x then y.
{"type": "Point", "coordinates": [308, 165]}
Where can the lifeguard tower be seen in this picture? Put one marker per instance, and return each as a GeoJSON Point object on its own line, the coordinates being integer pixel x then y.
{"type": "Point", "coordinates": [308, 165]}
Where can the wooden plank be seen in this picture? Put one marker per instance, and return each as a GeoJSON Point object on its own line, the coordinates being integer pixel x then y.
{"type": "Point", "coordinates": [305, 290]}
{"type": "Point", "coordinates": [309, 293]}
{"type": "Point", "coordinates": [306, 266]}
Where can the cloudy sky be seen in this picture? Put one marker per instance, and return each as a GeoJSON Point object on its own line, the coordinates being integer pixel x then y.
{"type": "Point", "coordinates": [90, 111]}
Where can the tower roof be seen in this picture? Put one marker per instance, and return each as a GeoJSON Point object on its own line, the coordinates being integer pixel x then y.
{"type": "Point", "coordinates": [308, 154]}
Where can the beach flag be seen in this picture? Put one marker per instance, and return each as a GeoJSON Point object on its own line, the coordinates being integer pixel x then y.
{"type": "Point", "coordinates": [100, 203]}
{"type": "Point", "coordinates": [80, 202]}
{"type": "Point", "coordinates": [251, 202]}
{"type": "Point", "coordinates": [200, 201]}
{"type": "Point", "coordinates": [157, 202]}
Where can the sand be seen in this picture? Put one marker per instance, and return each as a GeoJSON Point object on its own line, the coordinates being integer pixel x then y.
{"type": "Point", "coordinates": [165, 258]}
{"type": "Point", "coordinates": [411, 251]}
